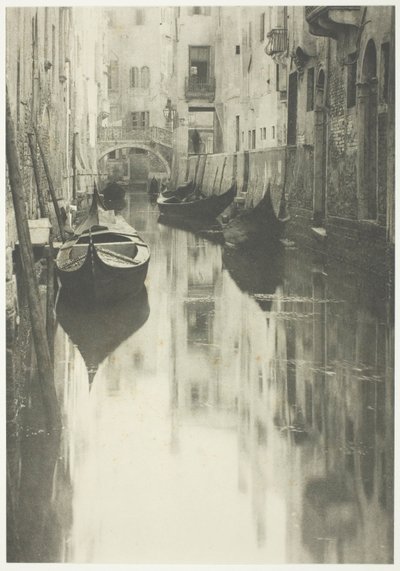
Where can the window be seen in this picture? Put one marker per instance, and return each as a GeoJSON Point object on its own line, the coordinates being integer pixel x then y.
{"type": "Point", "coordinates": [310, 89]}
{"type": "Point", "coordinates": [262, 27]}
{"type": "Point", "coordinates": [277, 76]}
{"type": "Point", "coordinates": [145, 77]}
{"type": "Point", "coordinates": [140, 119]}
{"type": "Point", "coordinates": [273, 132]}
{"type": "Point", "coordinates": [261, 134]}
{"type": "Point", "coordinates": [237, 50]}
{"type": "Point", "coordinates": [253, 139]}
{"type": "Point", "coordinates": [351, 80]}
{"type": "Point", "coordinates": [264, 133]}
{"type": "Point", "coordinates": [242, 137]}
{"type": "Point", "coordinates": [199, 63]}
{"type": "Point", "coordinates": [112, 155]}
{"type": "Point", "coordinates": [139, 16]}
{"type": "Point", "coordinates": [134, 77]}
{"type": "Point", "coordinates": [200, 11]}
{"type": "Point", "coordinates": [113, 75]}
{"type": "Point", "coordinates": [237, 132]}
{"type": "Point", "coordinates": [249, 139]}
{"type": "Point", "coordinates": [385, 71]}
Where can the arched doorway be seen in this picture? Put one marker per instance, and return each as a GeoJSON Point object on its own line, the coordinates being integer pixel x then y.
{"type": "Point", "coordinates": [319, 195]}
{"type": "Point", "coordinates": [367, 114]}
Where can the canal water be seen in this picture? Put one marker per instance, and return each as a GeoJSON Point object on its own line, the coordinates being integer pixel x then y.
{"type": "Point", "coordinates": [239, 411]}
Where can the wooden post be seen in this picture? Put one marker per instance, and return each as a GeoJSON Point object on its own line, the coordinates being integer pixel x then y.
{"type": "Point", "coordinates": [44, 363]}
{"type": "Point", "coordinates": [74, 165]}
{"type": "Point", "coordinates": [50, 298]}
{"type": "Point", "coordinates": [50, 183]}
{"type": "Point", "coordinates": [41, 198]}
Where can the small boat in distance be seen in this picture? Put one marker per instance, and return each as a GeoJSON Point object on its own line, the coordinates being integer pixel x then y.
{"type": "Point", "coordinates": [194, 206]}
{"type": "Point", "coordinates": [105, 260]}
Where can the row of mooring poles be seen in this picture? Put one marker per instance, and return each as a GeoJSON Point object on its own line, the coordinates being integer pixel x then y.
{"type": "Point", "coordinates": [41, 334]}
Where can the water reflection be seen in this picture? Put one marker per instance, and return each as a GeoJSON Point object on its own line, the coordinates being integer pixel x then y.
{"type": "Point", "coordinates": [98, 332]}
{"type": "Point", "coordinates": [225, 431]}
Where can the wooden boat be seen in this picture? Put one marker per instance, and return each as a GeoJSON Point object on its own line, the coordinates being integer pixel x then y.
{"type": "Point", "coordinates": [105, 260]}
{"type": "Point", "coordinates": [113, 191]}
{"type": "Point", "coordinates": [255, 227]}
{"type": "Point", "coordinates": [112, 325]}
{"type": "Point", "coordinates": [180, 191]}
{"type": "Point", "coordinates": [192, 207]}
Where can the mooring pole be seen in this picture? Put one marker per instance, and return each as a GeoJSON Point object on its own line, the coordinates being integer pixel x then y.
{"type": "Point", "coordinates": [50, 183]}
{"type": "Point", "coordinates": [41, 198]}
{"type": "Point", "coordinates": [74, 165]}
{"type": "Point", "coordinates": [45, 366]}
{"type": "Point", "coordinates": [50, 298]}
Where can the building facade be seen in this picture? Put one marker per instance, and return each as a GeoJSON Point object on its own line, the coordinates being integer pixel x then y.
{"type": "Point", "coordinates": [303, 97]}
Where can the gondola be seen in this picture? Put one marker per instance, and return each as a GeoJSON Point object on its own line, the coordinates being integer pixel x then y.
{"type": "Point", "coordinates": [112, 326]}
{"type": "Point", "coordinates": [180, 191]}
{"type": "Point", "coordinates": [113, 196]}
{"type": "Point", "coordinates": [193, 207]}
{"type": "Point", "coordinates": [105, 260]}
{"type": "Point", "coordinates": [256, 227]}
{"type": "Point", "coordinates": [113, 191]}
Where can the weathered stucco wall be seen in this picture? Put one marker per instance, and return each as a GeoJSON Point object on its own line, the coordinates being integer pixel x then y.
{"type": "Point", "coordinates": [253, 171]}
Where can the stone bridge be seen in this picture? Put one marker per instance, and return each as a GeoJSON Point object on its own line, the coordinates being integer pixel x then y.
{"type": "Point", "coordinates": [152, 139]}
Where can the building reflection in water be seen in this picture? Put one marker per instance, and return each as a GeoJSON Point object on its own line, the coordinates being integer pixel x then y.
{"type": "Point", "coordinates": [239, 424]}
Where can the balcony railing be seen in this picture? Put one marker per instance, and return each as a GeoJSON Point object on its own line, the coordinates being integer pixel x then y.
{"type": "Point", "coordinates": [278, 41]}
{"type": "Point", "coordinates": [140, 134]}
{"type": "Point", "coordinates": [198, 89]}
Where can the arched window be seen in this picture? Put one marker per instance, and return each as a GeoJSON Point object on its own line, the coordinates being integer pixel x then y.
{"type": "Point", "coordinates": [134, 77]}
{"type": "Point", "coordinates": [145, 77]}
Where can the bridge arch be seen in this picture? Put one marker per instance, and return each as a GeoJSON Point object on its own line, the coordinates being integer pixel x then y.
{"type": "Point", "coordinates": [109, 149]}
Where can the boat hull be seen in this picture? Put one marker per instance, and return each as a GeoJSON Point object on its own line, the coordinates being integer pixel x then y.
{"type": "Point", "coordinates": [96, 284]}
{"type": "Point", "coordinates": [206, 208]}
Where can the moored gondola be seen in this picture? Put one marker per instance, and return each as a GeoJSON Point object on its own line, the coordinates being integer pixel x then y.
{"type": "Point", "coordinates": [194, 206]}
{"type": "Point", "coordinates": [105, 260]}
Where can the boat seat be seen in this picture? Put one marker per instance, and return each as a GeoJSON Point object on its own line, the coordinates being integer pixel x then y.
{"type": "Point", "coordinates": [125, 248]}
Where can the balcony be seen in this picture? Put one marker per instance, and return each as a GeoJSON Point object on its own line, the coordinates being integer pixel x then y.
{"type": "Point", "coordinates": [329, 21]}
{"type": "Point", "coordinates": [277, 41]}
{"type": "Point", "coordinates": [197, 89]}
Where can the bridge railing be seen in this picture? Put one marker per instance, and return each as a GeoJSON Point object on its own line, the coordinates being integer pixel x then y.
{"type": "Point", "coordinates": [141, 134]}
